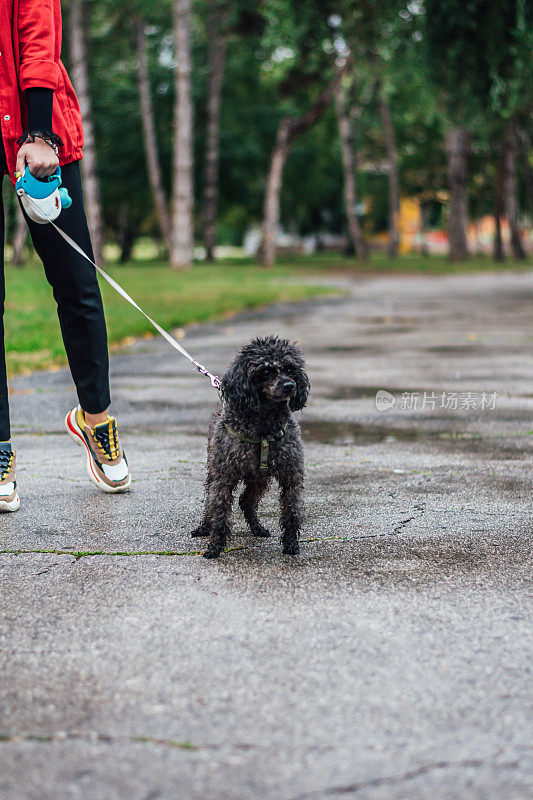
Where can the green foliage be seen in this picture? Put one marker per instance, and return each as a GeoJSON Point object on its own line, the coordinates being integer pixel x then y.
{"type": "Point", "coordinates": [465, 60]}
{"type": "Point", "coordinates": [480, 57]}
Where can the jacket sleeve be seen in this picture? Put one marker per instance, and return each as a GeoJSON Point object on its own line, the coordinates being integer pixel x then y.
{"type": "Point", "coordinates": [39, 36]}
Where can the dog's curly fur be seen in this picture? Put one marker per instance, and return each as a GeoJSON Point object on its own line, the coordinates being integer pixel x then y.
{"type": "Point", "coordinates": [265, 383]}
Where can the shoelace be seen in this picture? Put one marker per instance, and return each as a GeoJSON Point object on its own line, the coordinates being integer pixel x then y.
{"type": "Point", "coordinates": [6, 459]}
{"type": "Point", "coordinates": [107, 440]}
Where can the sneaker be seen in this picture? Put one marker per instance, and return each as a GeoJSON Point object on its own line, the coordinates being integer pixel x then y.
{"type": "Point", "coordinates": [106, 461]}
{"type": "Point", "coordinates": [9, 499]}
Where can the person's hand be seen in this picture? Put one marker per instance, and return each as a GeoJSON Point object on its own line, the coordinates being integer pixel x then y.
{"type": "Point", "coordinates": [40, 158]}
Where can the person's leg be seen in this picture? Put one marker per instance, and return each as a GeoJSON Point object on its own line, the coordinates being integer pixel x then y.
{"type": "Point", "coordinates": [81, 316]}
{"type": "Point", "coordinates": [9, 499]}
{"type": "Point", "coordinates": [79, 303]}
{"type": "Point", "coordinates": [5, 430]}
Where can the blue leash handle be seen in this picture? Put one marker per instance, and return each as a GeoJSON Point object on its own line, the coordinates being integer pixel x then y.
{"type": "Point", "coordinates": [40, 188]}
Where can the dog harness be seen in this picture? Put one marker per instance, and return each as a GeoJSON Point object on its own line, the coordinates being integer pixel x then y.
{"type": "Point", "coordinates": [264, 442]}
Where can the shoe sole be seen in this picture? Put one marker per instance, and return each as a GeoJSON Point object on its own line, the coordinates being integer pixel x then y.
{"type": "Point", "coordinates": [10, 505]}
{"type": "Point", "coordinates": [74, 431]}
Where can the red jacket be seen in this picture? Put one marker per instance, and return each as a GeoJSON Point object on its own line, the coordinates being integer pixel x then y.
{"type": "Point", "coordinates": [30, 50]}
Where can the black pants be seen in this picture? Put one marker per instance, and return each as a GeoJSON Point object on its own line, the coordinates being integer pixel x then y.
{"type": "Point", "coordinates": [77, 294]}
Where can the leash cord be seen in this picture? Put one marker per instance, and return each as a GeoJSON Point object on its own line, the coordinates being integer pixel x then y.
{"type": "Point", "coordinates": [215, 381]}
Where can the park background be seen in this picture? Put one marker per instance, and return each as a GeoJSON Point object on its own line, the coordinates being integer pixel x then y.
{"type": "Point", "coordinates": [231, 147]}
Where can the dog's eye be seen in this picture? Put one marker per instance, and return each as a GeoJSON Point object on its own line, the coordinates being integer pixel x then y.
{"type": "Point", "coordinates": [264, 373]}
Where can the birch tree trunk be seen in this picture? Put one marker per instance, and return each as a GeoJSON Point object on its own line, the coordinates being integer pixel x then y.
{"type": "Point", "coordinates": [80, 79]}
{"type": "Point", "coordinates": [217, 46]}
{"type": "Point", "coordinates": [289, 129]}
{"type": "Point", "coordinates": [149, 134]}
{"type": "Point", "coordinates": [457, 150]}
{"type": "Point", "coordinates": [181, 251]}
{"type": "Point", "coordinates": [348, 163]}
{"type": "Point", "coordinates": [273, 193]}
{"type": "Point", "coordinates": [20, 235]}
{"type": "Point", "coordinates": [511, 192]}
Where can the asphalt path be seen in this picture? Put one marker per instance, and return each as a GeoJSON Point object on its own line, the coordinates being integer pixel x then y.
{"type": "Point", "coordinates": [391, 659]}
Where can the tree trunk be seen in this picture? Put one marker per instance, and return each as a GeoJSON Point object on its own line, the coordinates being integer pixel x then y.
{"type": "Point", "coordinates": [348, 163]}
{"type": "Point", "coordinates": [511, 192]}
{"type": "Point", "coordinates": [126, 234]}
{"type": "Point", "coordinates": [498, 253]}
{"type": "Point", "coordinates": [20, 235]}
{"type": "Point", "coordinates": [394, 177]}
{"type": "Point", "coordinates": [149, 135]}
{"type": "Point", "coordinates": [524, 146]}
{"type": "Point", "coordinates": [80, 78]}
{"type": "Point", "coordinates": [217, 46]}
{"type": "Point", "coordinates": [273, 193]}
{"type": "Point", "coordinates": [289, 129]}
{"type": "Point", "coordinates": [392, 158]}
{"type": "Point", "coordinates": [181, 252]}
{"type": "Point", "coordinates": [457, 150]}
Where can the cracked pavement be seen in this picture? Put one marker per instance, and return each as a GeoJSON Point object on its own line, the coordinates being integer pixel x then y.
{"type": "Point", "coordinates": [391, 659]}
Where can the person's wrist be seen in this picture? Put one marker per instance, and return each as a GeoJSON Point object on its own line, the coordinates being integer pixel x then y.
{"type": "Point", "coordinates": [50, 138]}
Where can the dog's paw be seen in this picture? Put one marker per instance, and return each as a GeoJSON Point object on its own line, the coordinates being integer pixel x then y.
{"type": "Point", "coordinates": [199, 531]}
{"type": "Point", "coordinates": [260, 530]}
{"type": "Point", "coordinates": [291, 549]}
{"type": "Point", "coordinates": [211, 553]}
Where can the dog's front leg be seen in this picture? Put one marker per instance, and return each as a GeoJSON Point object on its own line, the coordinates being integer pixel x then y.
{"type": "Point", "coordinates": [292, 510]}
{"type": "Point", "coordinates": [217, 516]}
{"type": "Point", "coordinates": [204, 528]}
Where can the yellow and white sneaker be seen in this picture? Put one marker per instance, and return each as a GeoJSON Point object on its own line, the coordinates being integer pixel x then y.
{"type": "Point", "coordinates": [106, 461]}
{"type": "Point", "coordinates": [9, 499]}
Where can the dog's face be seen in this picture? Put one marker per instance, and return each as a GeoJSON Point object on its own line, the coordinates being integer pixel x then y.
{"type": "Point", "coordinates": [266, 371]}
{"type": "Point", "coordinates": [276, 381]}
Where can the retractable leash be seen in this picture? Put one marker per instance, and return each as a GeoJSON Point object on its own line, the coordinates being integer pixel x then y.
{"type": "Point", "coordinates": [43, 201]}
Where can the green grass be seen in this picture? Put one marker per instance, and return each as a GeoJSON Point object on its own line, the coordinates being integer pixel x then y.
{"type": "Point", "coordinates": [176, 299]}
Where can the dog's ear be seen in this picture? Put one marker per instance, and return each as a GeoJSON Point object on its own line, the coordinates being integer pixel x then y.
{"type": "Point", "coordinates": [238, 389]}
{"type": "Point", "coordinates": [299, 398]}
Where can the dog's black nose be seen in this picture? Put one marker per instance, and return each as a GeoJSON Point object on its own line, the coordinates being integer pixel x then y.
{"type": "Point", "coordinates": [288, 386]}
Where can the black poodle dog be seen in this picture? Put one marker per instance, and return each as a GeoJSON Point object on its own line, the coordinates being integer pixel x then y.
{"type": "Point", "coordinates": [254, 437]}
